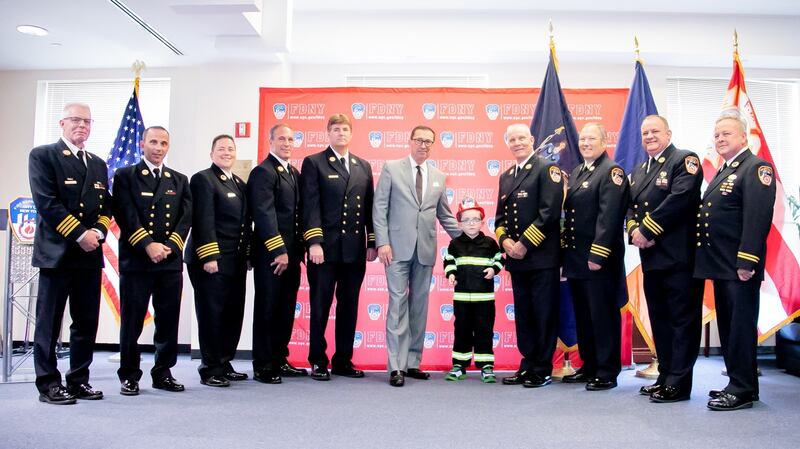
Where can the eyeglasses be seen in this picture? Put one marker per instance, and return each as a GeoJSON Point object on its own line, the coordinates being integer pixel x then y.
{"type": "Point", "coordinates": [473, 220]}
{"type": "Point", "coordinates": [423, 142]}
{"type": "Point", "coordinates": [77, 120]}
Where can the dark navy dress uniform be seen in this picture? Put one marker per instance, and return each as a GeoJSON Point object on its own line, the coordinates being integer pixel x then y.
{"type": "Point", "coordinates": [663, 200]}
{"type": "Point", "coordinates": [733, 222]}
{"type": "Point", "coordinates": [71, 198]}
{"type": "Point", "coordinates": [594, 212]}
{"type": "Point", "coordinates": [337, 213]}
{"type": "Point", "coordinates": [273, 194]}
{"type": "Point", "coordinates": [529, 211]}
{"type": "Point", "coordinates": [150, 210]}
{"type": "Point", "coordinates": [220, 232]}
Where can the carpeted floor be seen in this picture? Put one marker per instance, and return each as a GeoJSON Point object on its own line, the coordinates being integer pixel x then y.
{"type": "Point", "coordinates": [368, 413]}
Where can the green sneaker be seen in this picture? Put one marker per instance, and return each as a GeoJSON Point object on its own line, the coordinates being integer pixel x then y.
{"type": "Point", "coordinates": [456, 373]}
{"type": "Point", "coordinates": [487, 375]}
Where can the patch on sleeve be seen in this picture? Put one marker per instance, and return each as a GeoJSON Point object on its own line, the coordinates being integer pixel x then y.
{"type": "Point", "coordinates": [617, 176]}
{"type": "Point", "coordinates": [555, 174]}
{"type": "Point", "coordinates": [765, 174]}
{"type": "Point", "coordinates": [692, 164]}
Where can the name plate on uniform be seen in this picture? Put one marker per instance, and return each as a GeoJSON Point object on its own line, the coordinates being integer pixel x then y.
{"type": "Point", "coordinates": [70, 181]}
{"type": "Point", "coordinates": [231, 195]}
{"type": "Point", "coordinates": [147, 193]}
{"type": "Point", "coordinates": [333, 176]}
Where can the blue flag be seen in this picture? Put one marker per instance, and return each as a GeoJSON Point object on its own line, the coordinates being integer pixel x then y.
{"type": "Point", "coordinates": [552, 124]}
{"type": "Point", "coordinates": [557, 140]}
{"type": "Point", "coordinates": [126, 150]}
{"type": "Point", "coordinates": [629, 152]}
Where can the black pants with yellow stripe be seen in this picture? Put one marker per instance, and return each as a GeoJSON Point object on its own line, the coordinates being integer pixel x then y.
{"type": "Point", "coordinates": [474, 329]}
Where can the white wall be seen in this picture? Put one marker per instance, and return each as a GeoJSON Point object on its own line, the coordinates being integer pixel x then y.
{"type": "Point", "coordinates": [208, 100]}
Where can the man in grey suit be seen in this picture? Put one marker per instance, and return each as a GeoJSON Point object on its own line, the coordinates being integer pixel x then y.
{"type": "Point", "coordinates": [409, 197]}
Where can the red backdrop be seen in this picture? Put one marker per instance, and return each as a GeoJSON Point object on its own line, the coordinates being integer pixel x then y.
{"type": "Point", "coordinates": [469, 148]}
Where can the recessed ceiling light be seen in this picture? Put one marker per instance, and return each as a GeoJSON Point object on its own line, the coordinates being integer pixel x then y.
{"type": "Point", "coordinates": [55, 44]}
{"type": "Point", "coordinates": [32, 30]}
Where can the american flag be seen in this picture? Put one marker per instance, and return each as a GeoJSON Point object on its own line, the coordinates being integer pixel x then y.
{"type": "Point", "coordinates": [125, 152]}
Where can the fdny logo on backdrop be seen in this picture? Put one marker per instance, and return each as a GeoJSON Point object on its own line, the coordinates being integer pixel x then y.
{"type": "Point", "coordinates": [443, 251]}
{"type": "Point", "coordinates": [447, 311]}
{"type": "Point", "coordinates": [430, 339]}
{"type": "Point", "coordinates": [358, 338]}
{"type": "Point", "coordinates": [432, 163]}
{"type": "Point", "coordinates": [433, 283]}
{"type": "Point", "coordinates": [495, 339]}
{"type": "Point", "coordinates": [429, 110]}
{"type": "Point", "coordinates": [374, 311]}
{"type": "Point", "coordinates": [447, 139]}
{"type": "Point", "coordinates": [492, 111]}
{"type": "Point", "coordinates": [375, 138]}
{"type": "Point", "coordinates": [496, 283]}
{"type": "Point", "coordinates": [490, 225]}
{"type": "Point", "coordinates": [279, 110]}
{"type": "Point", "coordinates": [298, 308]}
{"type": "Point", "coordinates": [493, 167]}
{"type": "Point", "coordinates": [450, 195]}
{"type": "Point", "coordinates": [510, 312]}
{"type": "Point", "coordinates": [298, 139]}
{"type": "Point", "coordinates": [358, 110]}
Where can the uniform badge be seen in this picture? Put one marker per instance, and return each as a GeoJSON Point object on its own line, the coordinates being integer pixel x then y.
{"type": "Point", "coordinates": [332, 159]}
{"type": "Point", "coordinates": [224, 178]}
{"type": "Point", "coordinates": [735, 164]}
{"type": "Point", "coordinates": [555, 174]}
{"type": "Point", "coordinates": [731, 177]}
{"type": "Point", "coordinates": [170, 192]}
{"type": "Point", "coordinates": [692, 164]}
{"type": "Point", "coordinates": [280, 169]}
{"type": "Point", "coordinates": [644, 165]}
{"type": "Point", "coordinates": [511, 172]}
{"type": "Point", "coordinates": [167, 174]}
{"type": "Point", "coordinates": [66, 152]}
{"type": "Point", "coordinates": [765, 175]}
{"type": "Point", "coordinates": [591, 168]}
{"type": "Point", "coordinates": [661, 160]}
{"type": "Point", "coordinates": [353, 161]}
{"type": "Point", "coordinates": [231, 195]}
{"type": "Point", "coordinates": [585, 184]}
{"type": "Point", "coordinates": [522, 194]}
{"type": "Point", "coordinates": [145, 172]}
{"type": "Point", "coordinates": [617, 176]}
{"type": "Point", "coordinates": [528, 166]}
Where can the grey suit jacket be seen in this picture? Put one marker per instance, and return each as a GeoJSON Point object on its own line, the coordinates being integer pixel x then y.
{"type": "Point", "coordinates": [402, 220]}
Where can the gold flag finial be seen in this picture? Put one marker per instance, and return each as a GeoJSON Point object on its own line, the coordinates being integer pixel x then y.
{"type": "Point", "coordinates": [550, 21]}
{"type": "Point", "coordinates": [636, 48]}
{"type": "Point", "coordinates": [137, 67]}
{"type": "Point", "coordinates": [552, 44]}
{"type": "Point", "coordinates": [735, 41]}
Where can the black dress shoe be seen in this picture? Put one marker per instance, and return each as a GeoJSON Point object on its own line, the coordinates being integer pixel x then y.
{"type": "Point", "coordinates": [598, 384]}
{"type": "Point", "coordinates": [288, 370]}
{"type": "Point", "coordinates": [517, 378]}
{"type": "Point", "coordinates": [169, 384]}
{"type": "Point", "coordinates": [215, 381]}
{"type": "Point", "coordinates": [577, 378]}
{"type": "Point", "coordinates": [129, 387]}
{"type": "Point", "coordinates": [85, 391]}
{"type": "Point", "coordinates": [319, 372]}
{"type": "Point", "coordinates": [57, 395]}
{"type": "Point", "coordinates": [347, 371]}
{"type": "Point", "coordinates": [235, 376]}
{"type": "Point", "coordinates": [416, 373]}
{"type": "Point", "coordinates": [728, 401]}
{"type": "Point", "coordinates": [397, 379]}
{"type": "Point", "coordinates": [536, 381]}
{"type": "Point", "coordinates": [648, 390]}
{"type": "Point", "coordinates": [267, 376]}
{"type": "Point", "coordinates": [669, 393]}
{"type": "Point", "coordinates": [713, 394]}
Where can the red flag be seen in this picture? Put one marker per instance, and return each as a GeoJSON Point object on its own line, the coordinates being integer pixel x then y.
{"type": "Point", "coordinates": [780, 292]}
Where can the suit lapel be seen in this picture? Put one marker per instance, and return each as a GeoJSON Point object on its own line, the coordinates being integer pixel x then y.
{"type": "Point", "coordinates": [72, 163]}
{"type": "Point", "coordinates": [526, 169]}
{"type": "Point", "coordinates": [729, 170]}
{"type": "Point", "coordinates": [333, 161]}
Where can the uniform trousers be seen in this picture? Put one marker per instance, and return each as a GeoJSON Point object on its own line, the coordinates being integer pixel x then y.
{"type": "Point", "coordinates": [82, 287]}
{"type": "Point", "coordinates": [598, 325]}
{"type": "Point", "coordinates": [324, 280]}
{"type": "Point", "coordinates": [536, 310]}
{"type": "Point", "coordinates": [273, 314]}
{"type": "Point", "coordinates": [674, 303]}
{"type": "Point", "coordinates": [219, 304]}
{"type": "Point", "coordinates": [473, 332]}
{"type": "Point", "coordinates": [136, 288]}
{"type": "Point", "coordinates": [737, 305]}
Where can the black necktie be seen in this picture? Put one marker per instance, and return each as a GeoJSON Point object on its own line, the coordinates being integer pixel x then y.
{"type": "Point", "coordinates": [82, 157]}
{"type": "Point", "coordinates": [344, 164]}
{"type": "Point", "coordinates": [516, 170]}
{"type": "Point", "coordinates": [723, 167]}
{"type": "Point", "coordinates": [157, 174]}
{"type": "Point", "coordinates": [418, 183]}
{"type": "Point", "coordinates": [650, 162]}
